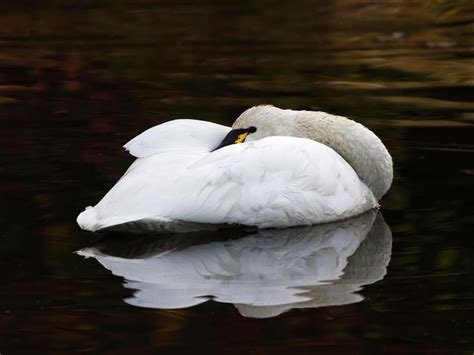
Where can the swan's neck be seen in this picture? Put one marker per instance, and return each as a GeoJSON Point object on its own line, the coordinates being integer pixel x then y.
{"type": "Point", "coordinates": [359, 146]}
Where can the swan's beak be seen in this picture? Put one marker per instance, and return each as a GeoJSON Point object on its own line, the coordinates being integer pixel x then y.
{"type": "Point", "coordinates": [235, 136]}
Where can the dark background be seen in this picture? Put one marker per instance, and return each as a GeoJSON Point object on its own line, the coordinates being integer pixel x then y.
{"type": "Point", "coordinates": [78, 79]}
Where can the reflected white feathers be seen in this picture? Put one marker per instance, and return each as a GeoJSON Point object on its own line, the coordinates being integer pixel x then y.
{"type": "Point", "coordinates": [324, 168]}
{"type": "Point", "coordinates": [263, 274]}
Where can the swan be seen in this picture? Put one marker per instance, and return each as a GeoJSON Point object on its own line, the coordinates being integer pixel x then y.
{"type": "Point", "coordinates": [263, 273]}
{"type": "Point", "coordinates": [273, 168]}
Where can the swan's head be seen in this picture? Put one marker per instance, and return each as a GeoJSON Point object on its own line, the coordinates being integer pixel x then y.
{"type": "Point", "coordinates": [356, 144]}
{"type": "Point", "coordinates": [268, 121]}
{"type": "Point", "coordinates": [259, 122]}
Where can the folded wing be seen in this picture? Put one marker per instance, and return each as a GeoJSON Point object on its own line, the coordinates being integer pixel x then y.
{"type": "Point", "coordinates": [272, 182]}
{"type": "Point", "coordinates": [177, 134]}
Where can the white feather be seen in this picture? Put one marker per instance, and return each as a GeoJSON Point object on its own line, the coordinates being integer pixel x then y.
{"type": "Point", "coordinates": [178, 183]}
{"type": "Point", "coordinates": [272, 182]}
{"type": "Point", "coordinates": [177, 134]}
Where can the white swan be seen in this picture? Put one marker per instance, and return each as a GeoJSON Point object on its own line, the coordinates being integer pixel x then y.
{"type": "Point", "coordinates": [263, 274]}
{"type": "Point", "coordinates": [290, 168]}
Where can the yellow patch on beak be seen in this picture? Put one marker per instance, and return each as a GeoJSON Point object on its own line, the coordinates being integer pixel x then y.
{"type": "Point", "coordinates": [241, 137]}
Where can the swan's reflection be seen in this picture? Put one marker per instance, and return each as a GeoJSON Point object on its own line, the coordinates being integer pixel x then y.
{"type": "Point", "coordinates": [263, 274]}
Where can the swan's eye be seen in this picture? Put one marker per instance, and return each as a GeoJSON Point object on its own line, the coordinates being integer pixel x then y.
{"type": "Point", "coordinates": [252, 129]}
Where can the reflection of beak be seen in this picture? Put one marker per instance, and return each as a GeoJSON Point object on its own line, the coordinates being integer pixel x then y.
{"type": "Point", "coordinates": [235, 136]}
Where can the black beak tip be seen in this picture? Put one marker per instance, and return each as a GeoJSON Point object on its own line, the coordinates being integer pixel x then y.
{"type": "Point", "coordinates": [232, 136]}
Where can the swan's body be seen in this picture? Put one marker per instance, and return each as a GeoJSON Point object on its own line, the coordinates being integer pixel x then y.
{"type": "Point", "coordinates": [179, 183]}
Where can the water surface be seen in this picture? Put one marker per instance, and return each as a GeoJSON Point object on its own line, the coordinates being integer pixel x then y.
{"type": "Point", "coordinates": [79, 79]}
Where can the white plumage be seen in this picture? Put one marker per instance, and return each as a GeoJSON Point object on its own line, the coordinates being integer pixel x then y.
{"type": "Point", "coordinates": [188, 135]}
{"type": "Point", "coordinates": [178, 183]}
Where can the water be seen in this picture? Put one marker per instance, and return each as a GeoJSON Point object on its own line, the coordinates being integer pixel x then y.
{"type": "Point", "coordinates": [77, 80]}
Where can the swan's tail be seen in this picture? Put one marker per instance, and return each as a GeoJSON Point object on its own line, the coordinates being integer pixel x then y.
{"type": "Point", "coordinates": [87, 220]}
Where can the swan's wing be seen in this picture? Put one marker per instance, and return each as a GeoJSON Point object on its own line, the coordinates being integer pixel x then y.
{"type": "Point", "coordinates": [177, 134]}
{"type": "Point", "coordinates": [273, 182]}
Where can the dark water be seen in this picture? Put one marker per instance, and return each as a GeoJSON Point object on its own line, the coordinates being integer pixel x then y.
{"type": "Point", "coordinates": [80, 78]}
